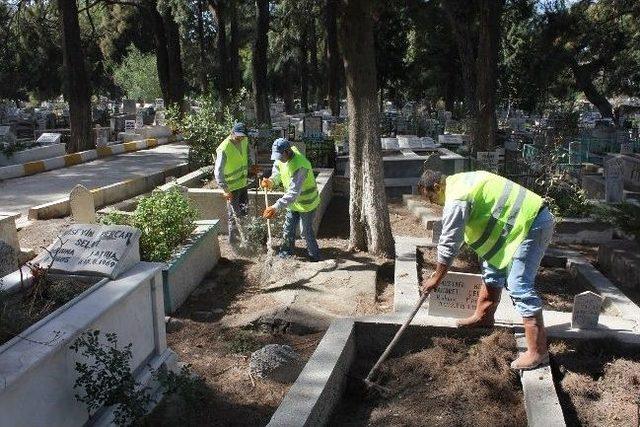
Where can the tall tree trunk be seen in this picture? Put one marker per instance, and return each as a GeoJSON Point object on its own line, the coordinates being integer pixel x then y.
{"type": "Point", "coordinates": [176, 74]}
{"type": "Point", "coordinates": [259, 63]}
{"type": "Point", "coordinates": [584, 81]}
{"type": "Point", "coordinates": [162, 56]}
{"type": "Point", "coordinates": [77, 83]}
{"type": "Point", "coordinates": [304, 72]}
{"type": "Point", "coordinates": [203, 49]}
{"type": "Point", "coordinates": [312, 44]}
{"type": "Point", "coordinates": [487, 64]}
{"type": "Point", "coordinates": [333, 56]}
{"type": "Point", "coordinates": [370, 228]}
{"type": "Point", "coordinates": [287, 89]}
{"type": "Point", "coordinates": [234, 49]}
{"type": "Point", "coordinates": [217, 7]}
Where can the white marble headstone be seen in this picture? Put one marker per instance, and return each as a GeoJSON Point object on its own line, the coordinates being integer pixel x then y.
{"type": "Point", "coordinates": [614, 182]}
{"type": "Point", "coordinates": [92, 249]}
{"type": "Point", "coordinates": [586, 310]}
{"type": "Point", "coordinates": [159, 104]}
{"type": "Point", "coordinates": [49, 138]}
{"type": "Point", "coordinates": [456, 296]}
{"type": "Point", "coordinates": [83, 208]}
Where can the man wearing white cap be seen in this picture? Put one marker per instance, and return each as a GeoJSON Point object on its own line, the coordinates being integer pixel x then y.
{"type": "Point", "coordinates": [301, 197]}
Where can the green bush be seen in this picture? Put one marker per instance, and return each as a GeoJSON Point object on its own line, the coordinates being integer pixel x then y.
{"type": "Point", "coordinates": [165, 218]}
{"type": "Point", "coordinates": [625, 216]}
{"type": "Point", "coordinates": [138, 75]}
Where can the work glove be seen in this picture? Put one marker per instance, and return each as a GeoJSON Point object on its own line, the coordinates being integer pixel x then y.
{"type": "Point", "coordinates": [228, 196]}
{"type": "Point", "coordinates": [255, 170]}
{"type": "Point", "coordinates": [269, 212]}
{"type": "Point", "coordinates": [266, 183]}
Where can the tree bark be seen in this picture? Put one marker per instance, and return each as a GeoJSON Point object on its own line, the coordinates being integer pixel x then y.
{"type": "Point", "coordinates": [304, 72]}
{"type": "Point", "coordinates": [77, 83]}
{"type": "Point", "coordinates": [333, 57]}
{"type": "Point", "coordinates": [370, 228]}
{"type": "Point", "coordinates": [234, 49]}
{"type": "Point", "coordinates": [176, 74]}
{"type": "Point", "coordinates": [203, 49]}
{"type": "Point", "coordinates": [487, 64]}
{"type": "Point", "coordinates": [287, 88]}
{"type": "Point", "coordinates": [584, 81]}
{"type": "Point", "coordinates": [259, 63]}
{"type": "Point", "coordinates": [312, 46]}
{"type": "Point", "coordinates": [217, 7]}
{"type": "Point", "coordinates": [162, 56]}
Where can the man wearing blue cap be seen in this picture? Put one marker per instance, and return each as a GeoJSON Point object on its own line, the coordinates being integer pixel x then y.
{"type": "Point", "coordinates": [301, 197]}
{"type": "Point", "coordinates": [232, 171]}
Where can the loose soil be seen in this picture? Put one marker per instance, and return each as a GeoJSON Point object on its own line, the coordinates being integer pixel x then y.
{"type": "Point", "coordinates": [21, 310]}
{"type": "Point", "coordinates": [201, 336]}
{"type": "Point", "coordinates": [427, 259]}
{"type": "Point", "coordinates": [598, 382]}
{"type": "Point", "coordinates": [453, 381]}
{"type": "Point", "coordinates": [557, 288]}
{"type": "Point", "coordinates": [40, 234]}
{"type": "Point", "coordinates": [403, 222]}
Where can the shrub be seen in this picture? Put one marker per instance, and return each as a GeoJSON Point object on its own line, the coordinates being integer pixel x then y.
{"type": "Point", "coordinates": [138, 75]}
{"type": "Point", "coordinates": [625, 216]}
{"type": "Point", "coordinates": [166, 219]}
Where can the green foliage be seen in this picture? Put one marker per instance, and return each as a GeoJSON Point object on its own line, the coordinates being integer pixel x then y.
{"type": "Point", "coordinates": [166, 219]}
{"type": "Point", "coordinates": [204, 130]}
{"type": "Point", "coordinates": [185, 384]}
{"type": "Point", "coordinates": [108, 380]}
{"type": "Point", "coordinates": [138, 75]}
{"type": "Point", "coordinates": [565, 199]}
{"type": "Point", "coordinates": [242, 342]}
{"type": "Point", "coordinates": [625, 216]}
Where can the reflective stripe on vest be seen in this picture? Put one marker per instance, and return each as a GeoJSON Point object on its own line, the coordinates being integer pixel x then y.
{"type": "Point", "coordinates": [308, 199]}
{"type": "Point", "coordinates": [236, 169]}
{"type": "Point", "coordinates": [501, 213]}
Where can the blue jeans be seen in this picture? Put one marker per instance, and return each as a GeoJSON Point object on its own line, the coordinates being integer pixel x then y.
{"type": "Point", "coordinates": [519, 277]}
{"type": "Point", "coordinates": [291, 221]}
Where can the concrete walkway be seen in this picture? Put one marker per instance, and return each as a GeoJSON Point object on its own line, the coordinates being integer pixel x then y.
{"type": "Point", "coordinates": [19, 194]}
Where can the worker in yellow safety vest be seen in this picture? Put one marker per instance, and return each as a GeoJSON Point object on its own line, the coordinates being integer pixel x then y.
{"type": "Point", "coordinates": [301, 198]}
{"type": "Point", "coordinates": [509, 227]}
{"type": "Point", "coordinates": [231, 171]}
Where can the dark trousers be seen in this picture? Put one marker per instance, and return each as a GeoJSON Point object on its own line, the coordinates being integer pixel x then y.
{"type": "Point", "coordinates": [240, 204]}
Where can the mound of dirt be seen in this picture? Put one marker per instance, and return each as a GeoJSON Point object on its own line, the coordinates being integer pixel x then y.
{"type": "Point", "coordinates": [454, 381]}
{"type": "Point", "coordinates": [598, 382]}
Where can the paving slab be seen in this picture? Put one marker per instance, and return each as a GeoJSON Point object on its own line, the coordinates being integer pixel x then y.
{"type": "Point", "coordinates": [19, 194]}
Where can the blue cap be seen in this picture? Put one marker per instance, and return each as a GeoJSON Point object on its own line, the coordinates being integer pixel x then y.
{"type": "Point", "coordinates": [239, 130]}
{"type": "Point", "coordinates": [279, 146]}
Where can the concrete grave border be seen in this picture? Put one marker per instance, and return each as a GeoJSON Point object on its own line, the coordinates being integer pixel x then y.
{"type": "Point", "coordinates": [33, 154]}
{"type": "Point", "coordinates": [192, 262]}
{"type": "Point", "coordinates": [36, 380]}
{"type": "Point", "coordinates": [109, 194]}
{"type": "Point", "coordinates": [64, 161]}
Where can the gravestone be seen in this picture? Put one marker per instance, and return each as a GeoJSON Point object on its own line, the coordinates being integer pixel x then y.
{"type": "Point", "coordinates": [128, 106]}
{"type": "Point", "coordinates": [49, 138]}
{"type": "Point", "coordinates": [83, 209]}
{"type": "Point", "coordinates": [575, 153]}
{"type": "Point", "coordinates": [129, 125]}
{"type": "Point", "coordinates": [312, 126]}
{"type": "Point", "coordinates": [160, 118]}
{"type": "Point", "coordinates": [139, 123]}
{"type": "Point", "coordinates": [586, 310]}
{"type": "Point", "coordinates": [626, 148]}
{"type": "Point", "coordinates": [6, 136]}
{"type": "Point", "coordinates": [159, 104]}
{"type": "Point", "coordinates": [102, 136]}
{"type": "Point", "coordinates": [8, 259]}
{"type": "Point", "coordinates": [456, 296]}
{"type": "Point", "coordinates": [489, 160]}
{"type": "Point", "coordinates": [614, 183]}
{"type": "Point", "coordinates": [94, 250]}
{"type": "Point", "coordinates": [450, 139]}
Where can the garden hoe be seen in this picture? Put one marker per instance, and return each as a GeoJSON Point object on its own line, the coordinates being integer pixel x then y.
{"type": "Point", "coordinates": [369, 380]}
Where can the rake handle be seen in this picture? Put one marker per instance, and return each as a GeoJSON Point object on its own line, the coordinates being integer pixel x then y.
{"type": "Point", "coordinates": [266, 205]}
{"type": "Point", "coordinates": [395, 339]}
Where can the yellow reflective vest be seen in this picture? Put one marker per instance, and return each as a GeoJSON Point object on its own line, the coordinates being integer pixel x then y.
{"type": "Point", "coordinates": [308, 199]}
{"type": "Point", "coordinates": [236, 164]}
{"type": "Point", "coordinates": [501, 213]}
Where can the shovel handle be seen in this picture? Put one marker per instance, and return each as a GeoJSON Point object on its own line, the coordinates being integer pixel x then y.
{"type": "Point", "coordinates": [395, 339]}
{"type": "Point", "coordinates": [266, 204]}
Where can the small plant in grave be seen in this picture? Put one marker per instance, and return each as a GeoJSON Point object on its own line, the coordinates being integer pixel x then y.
{"type": "Point", "coordinates": [107, 380]}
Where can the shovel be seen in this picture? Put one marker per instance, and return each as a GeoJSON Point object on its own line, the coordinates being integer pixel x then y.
{"type": "Point", "coordinates": [369, 379]}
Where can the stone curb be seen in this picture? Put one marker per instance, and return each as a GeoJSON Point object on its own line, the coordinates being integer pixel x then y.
{"type": "Point", "coordinates": [35, 167]}
{"type": "Point", "coordinates": [109, 194]}
{"type": "Point", "coordinates": [540, 398]}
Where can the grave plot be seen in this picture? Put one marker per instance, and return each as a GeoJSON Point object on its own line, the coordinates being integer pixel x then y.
{"type": "Point", "coordinates": [445, 378]}
{"type": "Point", "coordinates": [598, 381]}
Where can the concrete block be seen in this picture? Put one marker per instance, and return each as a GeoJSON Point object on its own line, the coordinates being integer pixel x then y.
{"type": "Point", "coordinates": [184, 272]}
{"type": "Point", "coordinates": [621, 259]}
{"type": "Point", "coordinates": [36, 381]}
{"type": "Point", "coordinates": [33, 154]}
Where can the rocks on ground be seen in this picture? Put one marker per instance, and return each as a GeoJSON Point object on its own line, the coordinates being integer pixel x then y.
{"type": "Point", "coordinates": [277, 362]}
